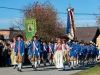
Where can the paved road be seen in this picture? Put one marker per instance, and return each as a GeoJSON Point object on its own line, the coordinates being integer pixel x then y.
{"type": "Point", "coordinates": [48, 70]}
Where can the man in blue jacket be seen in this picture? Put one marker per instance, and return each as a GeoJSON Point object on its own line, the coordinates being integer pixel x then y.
{"type": "Point", "coordinates": [45, 55]}
{"type": "Point", "coordinates": [50, 52]}
{"type": "Point", "coordinates": [73, 55]}
{"type": "Point", "coordinates": [82, 53]}
{"type": "Point", "coordinates": [19, 51]}
{"type": "Point", "coordinates": [35, 51]}
{"type": "Point", "coordinates": [77, 51]}
{"type": "Point", "coordinates": [93, 53]}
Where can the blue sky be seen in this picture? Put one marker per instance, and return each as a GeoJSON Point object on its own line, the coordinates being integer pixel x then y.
{"type": "Point", "coordinates": [80, 6]}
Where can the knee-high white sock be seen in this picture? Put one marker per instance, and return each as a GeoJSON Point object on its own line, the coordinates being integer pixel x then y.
{"type": "Point", "coordinates": [20, 65]}
{"type": "Point", "coordinates": [75, 63]}
{"type": "Point", "coordinates": [64, 67]}
{"type": "Point", "coordinates": [89, 61]}
{"type": "Point", "coordinates": [92, 60]}
{"type": "Point", "coordinates": [80, 61]}
{"type": "Point", "coordinates": [44, 61]}
{"type": "Point", "coordinates": [83, 62]}
{"type": "Point", "coordinates": [72, 64]}
{"type": "Point", "coordinates": [35, 63]}
{"type": "Point", "coordinates": [86, 61]}
{"type": "Point", "coordinates": [39, 62]}
{"type": "Point", "coordinates": [31, 61]}
{"type": "Point", "coordinates": [96, 59]}
{"type": "Point", "coordinates": [50, 61]}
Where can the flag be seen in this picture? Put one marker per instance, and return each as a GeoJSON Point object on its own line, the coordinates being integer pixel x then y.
{"type": "Point", "coordinates": [70, 29]}
{"type": "Point", "coordinates": [68, 24]}
{"type": "Point", "coordinates": [30, 28]}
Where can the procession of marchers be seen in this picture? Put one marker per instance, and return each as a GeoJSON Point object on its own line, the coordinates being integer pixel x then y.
{"type": "Point", "coordinates": [58, 53]}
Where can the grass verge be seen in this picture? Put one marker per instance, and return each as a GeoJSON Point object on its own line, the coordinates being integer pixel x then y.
{"type": "Point", "coordinates": [91, 71]}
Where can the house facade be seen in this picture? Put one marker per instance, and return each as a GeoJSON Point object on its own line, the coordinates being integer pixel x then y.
{"type": "Point", "coordinates": [9, 34]}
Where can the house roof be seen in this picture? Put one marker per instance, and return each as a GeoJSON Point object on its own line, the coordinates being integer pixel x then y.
{"type": "Point", "coordinates": [86, 33]}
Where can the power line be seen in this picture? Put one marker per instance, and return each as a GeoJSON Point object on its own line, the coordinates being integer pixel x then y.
{"type": "Point", "coordinates": [10, 8]}
{"type": "Point", "coordinates": [57, 13]}
{"type": "Point", "coordinates": [79, 13]}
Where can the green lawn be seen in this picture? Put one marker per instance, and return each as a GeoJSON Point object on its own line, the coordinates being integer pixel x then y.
{"type": "Point", "coordinates": [91, 71]}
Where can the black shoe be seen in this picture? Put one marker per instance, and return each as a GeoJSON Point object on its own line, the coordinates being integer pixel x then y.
{"type": "Point", "coordinates": [64, 69]}
{"type": "Point", "coordinates": [21, 66]}
{"type": "Point", "coordinates": [38, 65]}
{"type": "Point", "coordinates": [20, 70]}
{"type": "Point", "coordinates": [44, 64]}
{"type": "Point", "coordinates": [69, 64]}
{"type": "Point", "coordinates": [72, 68]}
{"type": "Point", "coordinates": [59, 69]}
{"type": "Point", "coordinates": [33, 66]}
{"type": "Point", "coordinates": [83, 64]}
{"type": "Point", "coordinates": [14, 66]}
{"type": "Point", "coordinates": [86, 63]}
{"type": "Point", "coordinates": [50, 64]}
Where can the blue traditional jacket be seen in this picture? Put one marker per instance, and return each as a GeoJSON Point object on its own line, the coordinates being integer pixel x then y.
{"type": "Point", "coordinates": [22, 47]}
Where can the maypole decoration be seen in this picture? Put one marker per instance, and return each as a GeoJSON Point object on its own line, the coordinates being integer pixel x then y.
{"type": "Point", "coordinates": [70, 29]}
{"type": "Point", "coordinates": [30, 28]}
